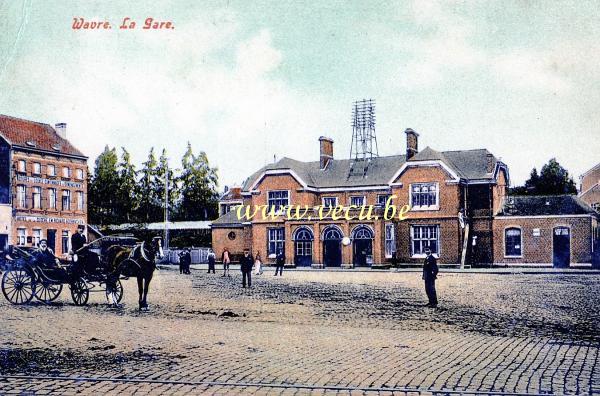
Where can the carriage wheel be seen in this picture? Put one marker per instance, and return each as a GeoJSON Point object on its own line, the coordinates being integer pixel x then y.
{"type": "Point", "coordinates": [118, 292]}
{"type": "Point", "coordinates": [80, 292]}
{"type": "Point", "coordinates": [18, 286]}
{"type": "Point", "coordinates": [47, 292]}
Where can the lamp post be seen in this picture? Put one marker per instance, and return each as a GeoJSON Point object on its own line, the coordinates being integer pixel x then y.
{"type": "Point", "coordinates": [166, 207]}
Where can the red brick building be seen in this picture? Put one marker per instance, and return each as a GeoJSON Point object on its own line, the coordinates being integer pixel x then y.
{"type": "Point", "coordinates": [590, 187]}
{"type": "Point", "coordinates": [43, 184]}
{"type": "Point", "coordinates": [458, 208]}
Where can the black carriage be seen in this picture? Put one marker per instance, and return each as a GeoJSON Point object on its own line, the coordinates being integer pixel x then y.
{"type": "Point", "coordinates": [25, 277]}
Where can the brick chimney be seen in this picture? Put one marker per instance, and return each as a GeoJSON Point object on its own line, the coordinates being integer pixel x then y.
{"type": "Point", "coordinates": [490, 162]}
{"type": "Point", "coordinates": [61, 129]}
{"type": "Point", "coordinates": [412, 143]}
{"type": "Point", "coordinates": [326, 151]}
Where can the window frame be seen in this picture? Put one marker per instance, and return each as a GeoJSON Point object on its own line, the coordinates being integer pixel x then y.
{"type": "Point", "coordinates": [52, 202]}
{"type": "Point", "coordinates": [23, 236]}
{"type": "Point", "coordinates": [506, 229]}
{"type": "Point", "coordinates": [437, 239]}
{"type": "Point", "coordinates": [62, 200]}
{"type": "Point", "coordinates": [329, 197]}
{"type": "Point", "coordinates": [363, 199]}
{"type": "Point", "coordinates": [21, 196]}
{"type": "Point", "coordinates": [68, 172]}
{"type": "Point", "coordinates": [21, 169]}
{"type": "Point", "coordinates": [79, 174]}
{"type": "Point", "coordinates": [36, 191]}
{"type": "Point", "coordinates": [379, 203]}
{"type": "Point", "coordinates": [37, 171]}
{"type": "Point", "coordinates": [277, 243]}
{"type": "Point", "coordinates": [35, 239]}
{"type": "Point", "coordinates": [80, 203]}
{"type": "Point", "coordinates": [424, 207]}
{"type": "Point", "coordinates": [281, 208]}
{"type": "Point", "coordinates": [65, 240]}
{"type": "Point", "coordinates": [53, 167]}
{"type": "Point", "coordinates": [391, 241]}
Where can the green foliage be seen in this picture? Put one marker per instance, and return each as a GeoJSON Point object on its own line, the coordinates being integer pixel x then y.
{"type": "Point", "coordinates": [118, 193]}
{"type": "Point", "coordinates": [553, 179]}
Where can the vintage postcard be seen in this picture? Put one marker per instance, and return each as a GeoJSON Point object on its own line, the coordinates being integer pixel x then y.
{"type": "Point", "coordinates": [300, 197]}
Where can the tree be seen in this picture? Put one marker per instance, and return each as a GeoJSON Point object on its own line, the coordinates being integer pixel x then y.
{"type": "Point", "coordinates": [148, 208]}
{"type": "Point", "coordinates": [553, 179]}
{"type": "Point", "coordinates": [128, 192]}
{"type": "Point", "coordinates": [198, 187]}
{"type": "Point", "coordinates": [103, 189]}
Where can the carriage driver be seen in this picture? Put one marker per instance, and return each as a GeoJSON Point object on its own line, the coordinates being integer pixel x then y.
{"type": "Point", "coordinates": [78, 240]}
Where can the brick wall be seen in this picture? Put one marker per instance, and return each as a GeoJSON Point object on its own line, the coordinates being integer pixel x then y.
{"type": "Point", "coordinates": [236, 246]}
{"type": "Point", "coordinates": [591, 179]}
{"type": "Point", "coordinates": [538, 249]}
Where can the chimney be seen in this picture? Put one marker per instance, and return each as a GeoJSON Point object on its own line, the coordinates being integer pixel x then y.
{"type": "Point", "coordinates": [326, 151]}
{"type": "Point", "coordinates": [412, 143]}
{"type": "Point", "coordinates": [490, 162]}
{"type": "Point", "coordinates": [61, 129]}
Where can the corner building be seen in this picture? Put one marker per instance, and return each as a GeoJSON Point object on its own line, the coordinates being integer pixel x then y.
{"type": "Point", "coordinates": [43, 185]}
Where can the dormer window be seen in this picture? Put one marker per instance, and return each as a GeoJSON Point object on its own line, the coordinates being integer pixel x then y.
{"type": "Point", "coordinates": [30, 143]}
{"type": "Point", "coordinates": [56, 147]}
{"type": "Point", "coordinates": [424, 196]}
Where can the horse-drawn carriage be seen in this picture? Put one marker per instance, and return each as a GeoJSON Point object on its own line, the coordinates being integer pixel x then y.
{"type": "Point", "coordinates": [92, 270]}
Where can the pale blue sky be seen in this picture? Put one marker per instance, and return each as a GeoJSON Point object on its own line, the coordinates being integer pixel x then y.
{"type": "Point", "coordinates": [246, 80]}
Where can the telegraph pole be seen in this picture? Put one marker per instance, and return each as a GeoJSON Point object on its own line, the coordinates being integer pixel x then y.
{"type": "Point", "coordinates": [167, 207]}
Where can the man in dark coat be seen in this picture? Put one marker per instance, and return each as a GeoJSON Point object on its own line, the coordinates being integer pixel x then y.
{"type": "Point", "coordinates": [430, 271]}
{"type": "Point", "coordinates": [80, 259]}
{"type": "Point", "coordinates": [246, 266]}
{"type": "Point", "coordinates": [211, 261]}
{"type": "Point", "coordinates": [279, 262]}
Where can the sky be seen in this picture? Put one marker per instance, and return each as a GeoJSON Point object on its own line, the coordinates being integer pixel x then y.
{"type": "Point", "coordinates": [250, 81]}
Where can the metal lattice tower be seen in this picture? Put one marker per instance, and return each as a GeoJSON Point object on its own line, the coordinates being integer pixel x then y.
{"type": "Point", "coordinates": [364, 141]}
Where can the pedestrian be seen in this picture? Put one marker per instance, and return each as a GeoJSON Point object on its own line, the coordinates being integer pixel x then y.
{"type": "Point", "coordinates": [258, 264]}
{"type": "Point", "coordinates": [246, 268]}
{"type": "Point", "coordinates": [188, 261]}
{"type": "Point", "coordinates": [211, 261]}
{"type": "Point", "coordinates": [279, 262]}
{"type": "Point", "coordinates": [182, 261]}
{"type": "Point", "coordinates": [226, 261]}
{"type": "Point", "coordinates": [430, 271]}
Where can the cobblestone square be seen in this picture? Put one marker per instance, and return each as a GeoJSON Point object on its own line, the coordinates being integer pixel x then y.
{"type": "Point", "coordinates": [315, 332]}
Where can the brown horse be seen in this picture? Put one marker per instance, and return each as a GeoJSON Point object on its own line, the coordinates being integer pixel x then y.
{"type": "Point", "coordinates": [138, 261]}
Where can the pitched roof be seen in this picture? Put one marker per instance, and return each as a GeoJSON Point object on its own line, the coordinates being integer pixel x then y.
{"type": "Point", "coordinates": [35, 135]}
{"type": "Point", "coordinates": [469, 164]}
{"type": "Point", "coordinates": [551, 205]}
{"type": "Point", "coordinates": [229, 219]}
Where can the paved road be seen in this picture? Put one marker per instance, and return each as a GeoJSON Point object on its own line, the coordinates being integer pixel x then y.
{"type": "Point", "coordinates": [313, 332]}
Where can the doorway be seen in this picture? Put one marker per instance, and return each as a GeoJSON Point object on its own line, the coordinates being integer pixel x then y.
{"type": "Point", "coordinates": [362, 246]}
{"type": "Point", "coordinates": [332, 247]}
{"type": "Point", "coordinates": [561, 247]}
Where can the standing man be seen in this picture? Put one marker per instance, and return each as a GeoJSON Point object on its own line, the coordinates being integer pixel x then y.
{"type": "Point", "coordinates": [279, 262]}
{"type": "Point", "coordinates": [226, 260]}
{"type": "Point", "coordinates": [211, 261]}
{"type": "Point", "coordinates": [78, 240]}
{"type": "Point", "coordinates": [430, 271]}
{"type": "Point", "coordinates": [246, 267]}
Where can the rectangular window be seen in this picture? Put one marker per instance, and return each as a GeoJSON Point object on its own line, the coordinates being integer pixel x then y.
{"type": "Point", "coordinates": [21, 196]}
{"type": "Point", "coordinates": [21, 236]}
{"type": "Point", "coordinates": [37, 197]}
{"type": "Point", "coordinates": [390, 240]}
{"type": "Point", "coordinates": [80, 174]}
{"type": "Point", "coordinates": [52, 198]}
{"type": "Point", "coordinates": [424, 196]}
{"type": "Point", "coordinates": [422, 237]}
{"type": "Point", "coordinates": [37, 237]}
{"type": "Point", "coordinates": [275, 240]}
{"type": "Point", "coordinates": [357, 201]}
{"type": "Point", "coordinates": [51, 170]}
{"type": "Point", "coordinates": [512, 242]}
{"type": "Point", "coordinates": [278, 199]}
{"type": "Point", "coordinates": [65, 241]}
{"type": "Point", "coordinates": [330, 202]}
{"type": "Point", "coordinates": [21, 166]}
{"type": "Point", "coordinates": [304, 248]}
{"type": "Point", "coordinates": [66, 172]}
{"type": "Point", "coordinates": [66, 200]}
{"type": "Point", "coordinates": [80, 200]}
{"type": "Point", "coordinates": [37, 168]}
{"type": "Point", "coordinates": [382, 199]}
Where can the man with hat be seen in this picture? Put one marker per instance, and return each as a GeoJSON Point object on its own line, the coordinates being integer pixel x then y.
{"type": "Point", "coordinates": [246, 265]}
{"type": "Point", "coordinates": [430, 271]}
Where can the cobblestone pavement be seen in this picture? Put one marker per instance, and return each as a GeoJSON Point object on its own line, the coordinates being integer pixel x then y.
{"type": "Point", "coordinates": [313, 332]}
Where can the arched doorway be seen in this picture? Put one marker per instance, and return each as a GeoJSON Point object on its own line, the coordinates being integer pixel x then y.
{"type": "Point", "coordinates": [332, 246]}
{"type": "Point", "coordinates": [303, 246]}
{"type": "Point", "coordinates": [362, 246]}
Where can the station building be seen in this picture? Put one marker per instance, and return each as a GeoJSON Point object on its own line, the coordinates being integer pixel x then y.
{"type": "Point", "coordinates": [458, 202]}
{"type": "Point", "coordinates": [43, 184]}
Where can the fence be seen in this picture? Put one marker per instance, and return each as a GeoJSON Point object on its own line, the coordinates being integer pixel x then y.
{"type": "Point", "coordinates": [199, 255]}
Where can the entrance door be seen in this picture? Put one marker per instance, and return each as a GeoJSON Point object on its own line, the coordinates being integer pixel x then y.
{"type": "Point", "coordinates": [51, 237]}
{"type": "Point", "coordinates": [332, 247]}
{"type": "Point", "coordinates": [561, 247]}
{"type": "Point", "coordinates": [303, 241]}
{"type": "Point", "coordinates": [362, 246]}
{"type": "Point", "coordinates": [3, 242]}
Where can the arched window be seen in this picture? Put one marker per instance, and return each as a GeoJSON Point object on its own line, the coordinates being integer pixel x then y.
{"type": "Point", "coordinates": [332, 233]}
{"type": "Point", "coordinates": [303, 234]}
{"type": "Point", "coordinates": [362, 232]}
{"type": "Point", "coordinates": [513, 246]}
